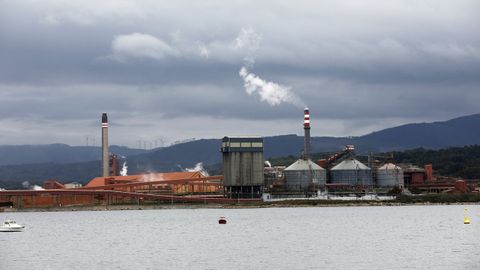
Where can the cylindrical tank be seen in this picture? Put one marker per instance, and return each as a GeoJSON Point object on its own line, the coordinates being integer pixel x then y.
{"type": "Point", "coordinates": [303, 174]}
{"type": "Point", "coordinates": [390, 175]}
{"type": "Point", "coordinates": [353, 172]}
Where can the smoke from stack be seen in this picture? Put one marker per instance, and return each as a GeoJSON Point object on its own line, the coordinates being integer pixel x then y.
{"type": "Point", "coordinates": [105, 157]}
{"type": "Point", "coordinates": [124, 171]}
{"type": "Point", "coordinates": [198, 168]}
{"type": "Point", "coordinates": [306, 128]}
{"type": "Point", "coordinates": [273, 93]}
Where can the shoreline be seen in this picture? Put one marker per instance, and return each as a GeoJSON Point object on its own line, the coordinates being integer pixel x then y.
{"type": "Point", "coordinates": [281, 204]}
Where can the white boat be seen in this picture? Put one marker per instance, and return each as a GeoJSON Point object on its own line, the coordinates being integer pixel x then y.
{"type": "Point", "coordinates": [11, 226]}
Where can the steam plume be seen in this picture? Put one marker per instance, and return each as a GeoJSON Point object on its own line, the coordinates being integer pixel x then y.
{"type": "Point", "coordinates": [198, 168]}
{"type": "Point", "coordinates": [149, 177]}
{"type": "Point", "coordinates": [249, 41]}
{"type": "Point", "coordinates": [124, 171]}
{"type": "Point", "coordinates": [273, 93]}
{"type": "Point", "coordinates": [27, 185]}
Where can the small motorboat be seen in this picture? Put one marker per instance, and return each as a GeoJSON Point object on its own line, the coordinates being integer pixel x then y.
{"type": "Point", "coordinates": [11, 226]}
{"type": "Point", "coordinates": [222, 220]}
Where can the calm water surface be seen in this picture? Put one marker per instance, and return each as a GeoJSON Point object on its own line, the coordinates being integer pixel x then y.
{"type": "Point", "coordinates": [405, 237]}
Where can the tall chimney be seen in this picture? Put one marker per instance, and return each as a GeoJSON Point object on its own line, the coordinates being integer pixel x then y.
{"type": "Point", "coordinates": [306, 127]}
{"type": "Point", "coordinates": [105, 158]}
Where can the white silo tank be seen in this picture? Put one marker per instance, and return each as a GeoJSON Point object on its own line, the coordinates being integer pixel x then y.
{"type": "Point", "coordinates": [390, 175]}
{"type": "Point", "coordinates": [351, 171]}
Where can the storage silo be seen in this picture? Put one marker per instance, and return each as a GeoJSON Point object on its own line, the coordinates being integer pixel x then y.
{"type": "Point", "coordinates": [304, 174]}
{"type": "Point", "coordinates": [352, 172]}
{"type": "Point", "coordinates": [242, 166]}
{"type": "Point", "coordinates": [390, 175]}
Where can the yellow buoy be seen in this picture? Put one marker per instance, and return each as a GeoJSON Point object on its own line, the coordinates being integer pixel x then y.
{"type": "Point", "coordinates": [466, 220]}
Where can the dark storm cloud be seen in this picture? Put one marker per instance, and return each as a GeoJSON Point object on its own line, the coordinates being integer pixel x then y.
{"type": "Point", "coordinates": [359, 65]}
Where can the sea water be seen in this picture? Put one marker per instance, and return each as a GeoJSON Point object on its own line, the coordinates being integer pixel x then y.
{"type": "Point", "coordinates": [376, 237]}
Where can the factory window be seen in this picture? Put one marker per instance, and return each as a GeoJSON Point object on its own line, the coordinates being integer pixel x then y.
{"type": "Point", "coordinates": [257, 144]}
{"type": "Point", "coordinates": [246, 144]}
{"type": "Point", "coordinates": [234, 144]}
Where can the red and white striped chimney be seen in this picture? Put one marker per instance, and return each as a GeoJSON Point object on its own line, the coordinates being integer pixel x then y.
{"type": "Point", "coordinates": [306, 127]}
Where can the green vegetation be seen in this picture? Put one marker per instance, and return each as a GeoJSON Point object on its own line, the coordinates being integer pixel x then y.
{"type": "Point", "coordinates": [457, 161]}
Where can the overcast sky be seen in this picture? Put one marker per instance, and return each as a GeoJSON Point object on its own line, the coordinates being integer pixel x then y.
{"type": "Point", "coordinates": [171, 70]}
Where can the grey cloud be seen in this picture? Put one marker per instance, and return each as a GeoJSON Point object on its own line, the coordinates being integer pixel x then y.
{"type": "Point", "coordinates": [360, 66]}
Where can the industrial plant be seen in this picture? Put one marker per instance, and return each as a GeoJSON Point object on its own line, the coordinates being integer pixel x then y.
{"type": "Point", "coordinates": [246, 177]}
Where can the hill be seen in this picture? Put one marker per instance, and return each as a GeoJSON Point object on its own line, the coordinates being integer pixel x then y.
{"type": "Point", "coordinates": [455, 132]}
{"type": "Point", "coordinates": [57, 153]}
{"type": "Point", "coordinates": [66, 162]}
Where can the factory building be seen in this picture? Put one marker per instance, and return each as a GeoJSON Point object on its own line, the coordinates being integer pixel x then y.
{"type": "Point", "coordinates": [165, 183]}
{"type": "Point", "coordinates": [304, 174]}
{"type": "Point", "coordinates": [243, 167]}
{"type": "Point", "coordinates": [390, 175]}
{"type": "Point", "coordinates": [114, 166]}
{"type": "Point", "coordinates": [273, 177]}
{"type": "Point", "coordinates": [351, 172]}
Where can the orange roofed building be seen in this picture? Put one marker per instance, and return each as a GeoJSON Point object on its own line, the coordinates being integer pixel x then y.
{"type": "Point", "coordinates": [103, 181]}
{"type": "Point", "coordinates": [183, 185]}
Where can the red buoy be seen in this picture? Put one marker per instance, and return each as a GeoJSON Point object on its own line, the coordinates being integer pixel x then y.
{"type": "Point", "coordinates": [222, 220]}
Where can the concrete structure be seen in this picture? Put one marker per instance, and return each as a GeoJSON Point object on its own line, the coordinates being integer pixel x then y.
{"type": "Point", "coordinates": [304, 175]}
{"type": "Point", "coordinates": [114, 166]}
{"type": "Point", "coordinates": [413, 176]}
{"type": "Point", "coordinates": [429, 173]}
{"type": "Point", "coordinates": [390, 175]}
{"type": "Point", "coordinates": [352, 172]}
{"type": "Point", "coordinates": [273, 176]}
{"type": "Point", "coordinates": [243, 167]}
{"type": "Point", "coordinates": [105, 157]}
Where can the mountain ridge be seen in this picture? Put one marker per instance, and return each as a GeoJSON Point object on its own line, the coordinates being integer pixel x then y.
{"type": "Point", "coordinates": [456, 132]}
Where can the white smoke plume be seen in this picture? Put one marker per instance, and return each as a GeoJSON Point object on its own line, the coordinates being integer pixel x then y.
{"type": "Point", "coordinates": [124, 170]}
{"type": "Point", "coordinates": [36, 187]}
{"type": "Point", "coordinates": [27, 185]}
{"type": "Point", "coordinates": [248, 40]}
{"type": "Point", "coordinates": [273, 93]}
{"type": "Point", "coordinates": [149, 177]}
{"type": "Point", "coordinates": [198, 168]}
